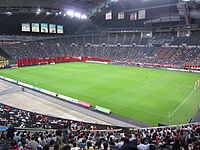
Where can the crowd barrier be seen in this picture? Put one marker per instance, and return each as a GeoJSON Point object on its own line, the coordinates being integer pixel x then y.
{"type": "Point", "coordinates": [97, 62]}
{"type": "Point", "coordinates": [3, 128]}
{"type": "Point", "coordinates": [195, 67]}
{"type": "Point", "coordinates": [183, 70]}
{"type": "Point", "coordinates": [38, 61]}
{"type": "Point", "coordinates": [147, 64]}
{"type": "Point", "coordinates": [166, 66]}
{"type": "Point", "coordinates": [171, 126]}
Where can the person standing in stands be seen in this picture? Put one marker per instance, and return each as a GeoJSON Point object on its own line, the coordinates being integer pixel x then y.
{"type": "Point", "coordinates": [10, 132]}
{"type": "Point", "coordinates": [33, 144]}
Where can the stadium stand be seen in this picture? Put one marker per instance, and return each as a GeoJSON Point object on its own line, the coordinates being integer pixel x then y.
{"type": "Point", "coordinates": [79, 135]}
{"type": "Point", "coordinates": [25, 119]}
{"type": "Point", "coordinates": [109, 47]}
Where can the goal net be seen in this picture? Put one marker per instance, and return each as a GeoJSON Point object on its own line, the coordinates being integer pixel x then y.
{"type": "Point", "coordinates": [197, 85]}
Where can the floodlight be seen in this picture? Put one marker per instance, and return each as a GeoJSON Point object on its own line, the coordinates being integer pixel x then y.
{"type": "Point", "coordinates": [83, 17]}
{"type": "Point", "coordinates": [9, 13]}
{"type": "Point", "coordinates": [38, 11]}
{"type": "Point", "coordinates": [70, 13]}
{"type": "Point", "coordinates": [78, 15]}
{"type": "Point", "coordinates": [148, 34]}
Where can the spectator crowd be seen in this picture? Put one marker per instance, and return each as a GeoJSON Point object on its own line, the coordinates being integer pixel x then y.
{"type": "Point", "coordinates": [116, 47]}
{"type": "Point", "coordinates": [50, 133]}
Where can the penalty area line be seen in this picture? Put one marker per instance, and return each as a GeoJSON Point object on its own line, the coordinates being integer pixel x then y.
{"type": "Point", "coordinates": [181, 103]}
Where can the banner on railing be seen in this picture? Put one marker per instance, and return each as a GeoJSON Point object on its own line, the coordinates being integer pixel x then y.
{"type": "Point", "coordinates": [183, 70]}
{"type": "Point", "coordinates": [74, 100]}
{"type": "Point", "coordinates": [47, 92]}
{"type": "Point", "coordinates": [147, 64]}
{"type": "Point", "coordinates": [97, 62]}
{"type": "Point", "coordinates": [84, 104]}
{"type": "Point", "coordinates": [26, 85]}
{"type": "Point", "coordinates": [102, 109]}
{"type": "Point", "coordinates": [68, 98]}
{"type": "Point", "coordinates": [194, 67]}
{"type": "Point", "coordinates": [36, 88]}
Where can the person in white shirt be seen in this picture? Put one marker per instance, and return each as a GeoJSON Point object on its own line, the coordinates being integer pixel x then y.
{"type": "Point", "coordinates": [75, 147]}
{"type": "Point", "coordinates": [118, 143]}
{"type": "Point", "coordinates": [142, 145]}
{"type": "Point", "coordinates": [33, 144]}
{"type": "Point", "coordinates": [16, 138]}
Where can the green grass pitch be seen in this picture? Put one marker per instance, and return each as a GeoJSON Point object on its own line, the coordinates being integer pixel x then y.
{"type": "Point", "coordinates": [165, 96]}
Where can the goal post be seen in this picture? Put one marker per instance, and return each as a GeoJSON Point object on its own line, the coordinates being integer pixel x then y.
{"type": "Point", "coordinates": [197, 85]}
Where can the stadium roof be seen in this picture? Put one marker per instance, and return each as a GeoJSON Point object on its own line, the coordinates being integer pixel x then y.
{"type": "Point", "coordinates": [54, 4]}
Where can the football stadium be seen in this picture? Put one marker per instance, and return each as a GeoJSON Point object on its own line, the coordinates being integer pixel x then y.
{"type": "Point", "coordinates": [99, 74]}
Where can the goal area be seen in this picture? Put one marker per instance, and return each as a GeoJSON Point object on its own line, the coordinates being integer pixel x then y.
{"type": "Point", "coordinates": [197, 85]}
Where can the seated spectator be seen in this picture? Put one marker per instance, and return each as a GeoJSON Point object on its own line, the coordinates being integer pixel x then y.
{"type": "Point", "coordinates": [24, 146]}
{"type": "Point", "coordinates": [142, 145]}
{"type": "Point", "coordinates": [127, 145]}
{"type": "Point", "coordinates": [75, 147]}
{"type": "Point", "coordinates": [14, 146]}
{"type": "Point", "coordinates": [89, 146]}
{"type": "Point", "coordinates": [118, 143]}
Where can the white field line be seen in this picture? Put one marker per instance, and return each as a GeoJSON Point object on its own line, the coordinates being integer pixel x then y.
{"type": "Point", "coordinates": [179, 86]}
{"type": "Point", "coordinates": [181, 103]}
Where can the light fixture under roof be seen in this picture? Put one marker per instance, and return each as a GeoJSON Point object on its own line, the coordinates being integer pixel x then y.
{"type": "Point", "coordinates": [9, 13]}
{"type": "Point", "coordinates": [83, 17]}
{"type": "Point", "coordinates": [77, 14]}
{"type": "Point", "coordinates": [70, 13]}
{"type": "Point", "coordinates": [39, 10]}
